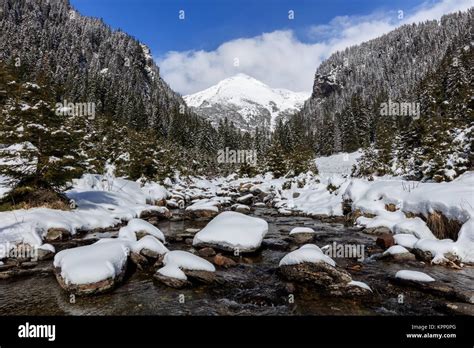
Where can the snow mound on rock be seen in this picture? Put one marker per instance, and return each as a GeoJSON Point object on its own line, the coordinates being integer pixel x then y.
{"type": "Point", "coordinates": [150, 243]}
{"type": "Point", "coordinates": [405, 240]}
{"type": "Point", "coordinates": [395, 249]}
{"type": "Point", "coordinates": [359, 284]}
{"type": "Point", "coordinates": [307, 253]}
{"type": "Point", "coordinates": [436, 247]}
{"type": "Point", "coordinates": [234, 231]}
{"type": "Point", "coordinates": [47, 247]}
{"type": "Point", "coordinates": [415, 226]}
{"type": "Point", "coordinates": [414, 275]}
{"type": "Point", "coordinates": [186, 260]}
{"type": "Point", "coordinates": [172, 271]}
{"type": "Point", "coordinates": [93, 263]}
{"type": "Point", "coordinates": [297, 230]}
{"type": "Point", "coordinates": [178, 260]}
{"type": "Point", "coordinates": [139, 225]}
{"type": "Point", "coordinates": [204, 204]}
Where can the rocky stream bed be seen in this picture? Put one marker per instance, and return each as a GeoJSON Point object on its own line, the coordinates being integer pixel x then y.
{"type": "Point", "coordinates": [247, 284]}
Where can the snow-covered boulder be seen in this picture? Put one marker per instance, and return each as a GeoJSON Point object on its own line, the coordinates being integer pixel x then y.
{"type": "Point", "coordinates": [155, 193]}
{"type": "Point", "coordinates": [172, 276]}
{"type": "Point", "coordinates": [302, 235]}
{"type": "Point", "coordinates": [415, 226]}
{"type": "Point", "coordinates": [45, 252]}
{"type": "Point", "coordinates": [446, 251]}
{"type": "Point", "coordinates": [405, 240]}
{"type": "Point", "coordinates": [360, 285]}
{"type": "Point", "coordinates": [297, 230]}
{"type": "Point", "coordinates": [187, 261]}
{"type": "Point", "coordinates": [141, 228]}
{"type": "Point", "coordinates": [241, 208]}
{"type": "Point", "coordinates": [160, 213]}
{"type": "Point", "coordinates": [307, 253]}
{"type": "Point", "coordinates": [396, 249]}
{"type": "Point", "coordinates": [398, 253]}
{"type": "Point", "coordinates": [147, 251]}
{"type": "Point", "coordinates": [179, 265]}
{"type": "Point", "coordinates": [175, 204]}
{"type": "Point", "coordinates": [435, 250]}
{"type": "Point", "coordinates": [149, 246]}
{"type": "Point", "coordinates": [205, 208]}
{"type": "Point", "coordinates": [309, 264]}
{"type": "Point", "coordinates": [232, 231]}
{"type": "Point", "coordinates": [357, 288]}
{"type": "Point", "coordinates": [93, 268]}
{"type": "Point", "coordinates": [247, 199]}
{"type": "Point", "coordinates": [285, 212]}
{"type": "Point", "coordinates": [446, 204]}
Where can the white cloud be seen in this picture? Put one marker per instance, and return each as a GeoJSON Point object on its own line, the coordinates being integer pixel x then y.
{"type": "Point", "coordinates": [428, 11]}
{"type": "Point", "coordinates": [280, 59]}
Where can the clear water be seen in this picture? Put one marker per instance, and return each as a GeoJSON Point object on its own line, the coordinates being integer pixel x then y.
{"type": "Point", "coordinates": [251, 288]}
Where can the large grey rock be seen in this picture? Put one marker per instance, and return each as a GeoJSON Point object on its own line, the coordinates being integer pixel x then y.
{"type": "Point", "coordinates": [172, 282]}
{"type": "Point", "coordinates": [57, 234]}
{"type": "Point", "coordinates": [91, 288]}
{"type": "Point", "coordinates": [320, 274]}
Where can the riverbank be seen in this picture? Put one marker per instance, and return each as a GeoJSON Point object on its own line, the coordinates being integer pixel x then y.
{"type": "Point", "coordinates": [243, 284]}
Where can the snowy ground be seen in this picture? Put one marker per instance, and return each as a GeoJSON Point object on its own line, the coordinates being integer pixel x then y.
{"type": "Point", "coordinates": [324, 195]}
{"type": "Point", "coordinates": [101, 202]}
{"type": "Point", "coordinates": [338, 164]}
{"type": "Point", "coordinates": [104, 201]}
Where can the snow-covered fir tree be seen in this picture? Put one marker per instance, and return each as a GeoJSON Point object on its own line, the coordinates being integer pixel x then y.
{"type": "Point", "coordinates": [41, 145]}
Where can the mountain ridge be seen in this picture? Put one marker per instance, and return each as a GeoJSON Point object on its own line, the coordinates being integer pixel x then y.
{"type": "Point", "coordinates": [390, 66]}
{"type": "Point", "coordinates": [92, 61]}
{"type": "Point", "coordinates": [245, 101]}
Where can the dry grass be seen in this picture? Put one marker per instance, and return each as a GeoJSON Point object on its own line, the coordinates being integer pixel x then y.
{"type": "Point", "coordinates": [27, 198]}
{"type": "Point", "coordinates": [391, 207]}
{"type": "Point", "coordinates": [442, 227]}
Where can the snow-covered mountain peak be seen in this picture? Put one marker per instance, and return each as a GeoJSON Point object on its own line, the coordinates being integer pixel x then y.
{"type": "Point", "coordinates": [246, 101]}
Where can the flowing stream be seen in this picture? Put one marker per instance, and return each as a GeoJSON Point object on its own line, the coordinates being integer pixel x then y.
{"type": "Point", "coordinates": [253, 287]}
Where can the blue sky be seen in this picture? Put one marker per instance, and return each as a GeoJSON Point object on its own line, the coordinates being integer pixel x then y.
{"type": "Point", "coordinates": [202, 49]}
{"type": "Point", "coordinates": [209, 23]}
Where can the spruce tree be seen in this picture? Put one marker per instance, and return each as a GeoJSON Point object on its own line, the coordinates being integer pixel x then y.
{"type": "Point", "coordinates": [41, 146]}
{"type": "Point", "coordinates": [301, 160]}
{"type": "Point", "coordinates": [275, 159]}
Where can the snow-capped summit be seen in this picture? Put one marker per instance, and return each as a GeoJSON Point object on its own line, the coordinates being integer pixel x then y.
{"type": "Point", "coordinates": [246, 101]}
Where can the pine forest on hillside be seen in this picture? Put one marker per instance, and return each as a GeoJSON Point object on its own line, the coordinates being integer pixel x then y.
{"type": "Point", "coordinates": [179, 165]}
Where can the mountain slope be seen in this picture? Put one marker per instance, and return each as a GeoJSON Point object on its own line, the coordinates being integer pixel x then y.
{"type": "Point", "coordinates": [245, 101]}
{"type": "Point", "coordinates": [406, 98]}
{"type": "Point", "coordinates": [92, 62]}
{"type": "Point", "coordinates": [140, 125]}
{"type": "Point", "coordinates": [366, 75]}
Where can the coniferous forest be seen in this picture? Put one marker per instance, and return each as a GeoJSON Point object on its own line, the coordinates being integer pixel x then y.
{"type": "Point", "coordinates": [128, 188]}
